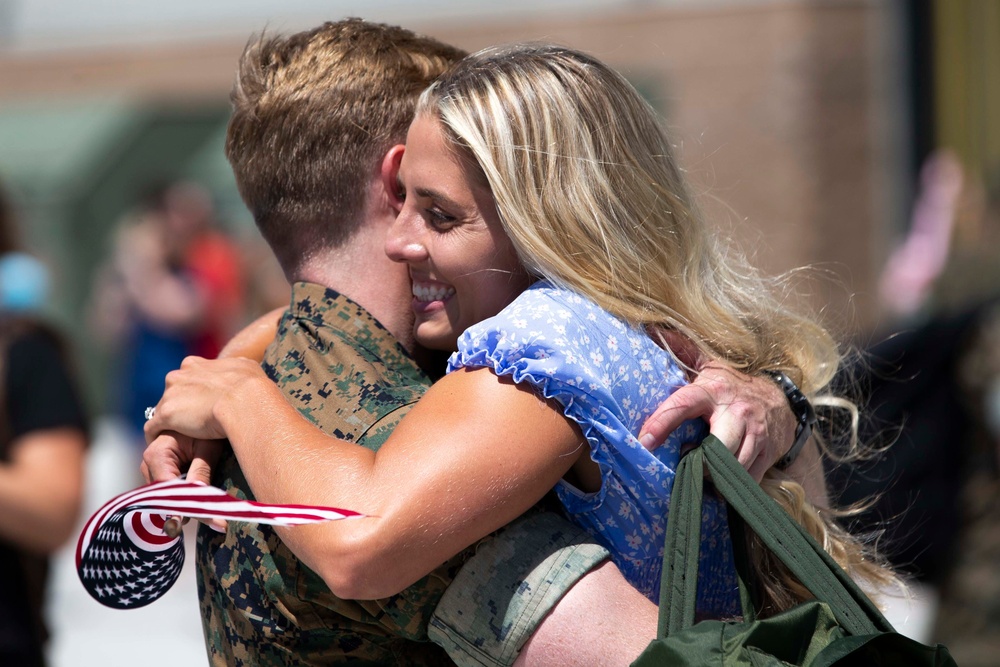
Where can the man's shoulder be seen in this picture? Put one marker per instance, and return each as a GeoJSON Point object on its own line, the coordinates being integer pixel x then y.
{"type": "Point", "coordinates": [338, 332]}
{"type": "Point", "coordinates": [340, 368]}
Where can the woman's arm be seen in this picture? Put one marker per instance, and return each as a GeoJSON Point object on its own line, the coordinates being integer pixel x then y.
{"type": "Point", "coordinates": [473, 454]}
{"type": "Point", "coordinates": [252, 341]}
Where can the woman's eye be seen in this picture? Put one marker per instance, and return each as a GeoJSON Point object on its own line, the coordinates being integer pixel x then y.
{"type": "Point", "coordinates": [440, 220]}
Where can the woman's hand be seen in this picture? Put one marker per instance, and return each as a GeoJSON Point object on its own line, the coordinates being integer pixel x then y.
{"type": "Point", "coordinates": [172, 454]}
{"type": "Point", "coordinates": [198, 393]}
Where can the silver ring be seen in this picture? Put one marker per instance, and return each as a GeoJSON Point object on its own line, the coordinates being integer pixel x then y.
{"type": "Point", "coordinates": [150, 411]}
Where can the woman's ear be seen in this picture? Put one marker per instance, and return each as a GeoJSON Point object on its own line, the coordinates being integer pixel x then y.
{"type": "Point", "coordinates": [390, 177]}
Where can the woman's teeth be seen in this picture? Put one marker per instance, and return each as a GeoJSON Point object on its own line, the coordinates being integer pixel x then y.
{"type": "Point", "coordinates": [427, 293]}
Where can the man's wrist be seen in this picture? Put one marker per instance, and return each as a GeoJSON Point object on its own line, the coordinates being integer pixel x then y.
{"type": "Point", "coordinates": [805, 416]}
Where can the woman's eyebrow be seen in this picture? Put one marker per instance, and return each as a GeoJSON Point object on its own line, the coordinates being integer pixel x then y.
{"type": "Point", "coordinates": [430, 193]}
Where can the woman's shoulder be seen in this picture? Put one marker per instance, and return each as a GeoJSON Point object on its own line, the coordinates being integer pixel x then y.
{"type": "Point", "coordinates": [547, 306]}
{"type": "Point", "coordinates": [554, 330]}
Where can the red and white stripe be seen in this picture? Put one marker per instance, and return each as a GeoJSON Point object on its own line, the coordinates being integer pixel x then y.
{"type": "Point", "coordinates": [179, 497]}
{"type": "Point", "coordinates": [146, 531]}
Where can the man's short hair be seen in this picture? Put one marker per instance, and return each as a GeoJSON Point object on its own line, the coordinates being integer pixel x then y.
{"type": "Point", "coordinates": [313, 114]}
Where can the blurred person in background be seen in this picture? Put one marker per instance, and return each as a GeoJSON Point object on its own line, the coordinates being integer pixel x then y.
{"type": "Point", "coordinates": [211, 259]}
{"type": "Point", "coordinates": [930, 381]}
{"type": "Point", "coordinates": [173, 286]}
{"type": "Point", "coordinates": [43, 438]}
{"type": "Point", "coordinates": [968, 615]}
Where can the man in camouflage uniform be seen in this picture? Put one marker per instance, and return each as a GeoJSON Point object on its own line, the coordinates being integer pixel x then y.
{"type": "Point", "coordinates": [342, 357]}
{"type": "Point", "coordinates": [317, 117]}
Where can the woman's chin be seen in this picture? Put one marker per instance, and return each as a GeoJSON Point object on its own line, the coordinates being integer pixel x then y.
{"type": "Point", "coordinates": [443, 341]}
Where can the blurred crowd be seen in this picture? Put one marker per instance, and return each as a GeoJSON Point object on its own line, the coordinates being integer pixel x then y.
{"type": "Point", "coordinates": [176, 283]}
{"type": "Point", "coordinates": [928, 382]}
{"type": "Point", "coordinates": [173, 286]}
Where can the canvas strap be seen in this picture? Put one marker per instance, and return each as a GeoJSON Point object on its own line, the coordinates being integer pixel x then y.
{"type": "Point", "coordinates": [789, 542]}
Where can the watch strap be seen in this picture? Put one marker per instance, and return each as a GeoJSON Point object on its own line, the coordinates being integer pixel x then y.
{"type": "Point", "coordinates": [805, 416]}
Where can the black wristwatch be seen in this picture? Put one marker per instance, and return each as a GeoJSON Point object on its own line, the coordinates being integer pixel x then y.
{"type": "Point", "coordinates": [804, 415]}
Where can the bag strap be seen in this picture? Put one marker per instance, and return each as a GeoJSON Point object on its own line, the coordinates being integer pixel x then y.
{"type": "Point", "coordinates": [793, 546]}
{"type": "Point", "coordinates": [679, 578]}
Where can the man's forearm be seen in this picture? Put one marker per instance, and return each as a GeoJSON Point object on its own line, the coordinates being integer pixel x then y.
{"type": "Point", "coordinates": [807, 470]}
{"type": "Point", "coordinates": [602, 620]}
{"type": "Point", "coordinates": [541, 591]}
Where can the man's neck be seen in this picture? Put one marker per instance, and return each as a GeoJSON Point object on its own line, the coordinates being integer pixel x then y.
{"type": "Point", "coordinates": [361, 271]}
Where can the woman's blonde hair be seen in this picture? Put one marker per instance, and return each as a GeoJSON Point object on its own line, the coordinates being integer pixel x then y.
{"type": "Point", "coordinates": [590, 194]}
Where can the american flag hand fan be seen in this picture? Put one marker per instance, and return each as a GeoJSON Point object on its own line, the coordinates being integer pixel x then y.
{"type": "Point", "coordinates": [125, 559]}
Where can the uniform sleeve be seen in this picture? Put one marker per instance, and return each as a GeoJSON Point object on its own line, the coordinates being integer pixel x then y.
{"type": "Point", "coordinates": [483, 604]}
{"type": "Point", "coordinates": [505, 590]}
{"type": "Point", "coordinates": [41, 390]}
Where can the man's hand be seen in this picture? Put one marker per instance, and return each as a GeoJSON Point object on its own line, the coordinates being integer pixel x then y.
{"type": "Point", "coordinates": [749, 414]}
{"type": "Point", "coordinates": [170, 455]}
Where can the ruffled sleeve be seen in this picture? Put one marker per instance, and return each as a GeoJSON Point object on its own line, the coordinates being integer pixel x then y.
{"type": "Point", "coordinates": [558, 342]}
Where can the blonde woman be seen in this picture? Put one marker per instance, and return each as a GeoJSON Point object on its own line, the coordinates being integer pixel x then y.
{"type": "Point", "coordinates": [551, 242]}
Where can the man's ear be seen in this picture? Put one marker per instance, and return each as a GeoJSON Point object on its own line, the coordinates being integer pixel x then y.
{"type": "Point", "coordinates": [390, 177]}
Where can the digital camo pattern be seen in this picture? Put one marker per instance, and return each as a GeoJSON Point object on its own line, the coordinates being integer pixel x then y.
{"type": "Point", "coordinates": [511, 583]}
{"type": "Point", "coordinates": [260, 606]}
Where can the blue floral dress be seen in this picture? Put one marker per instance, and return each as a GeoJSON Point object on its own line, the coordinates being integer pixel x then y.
{"type": "Point", "coordinates": [608, 377]}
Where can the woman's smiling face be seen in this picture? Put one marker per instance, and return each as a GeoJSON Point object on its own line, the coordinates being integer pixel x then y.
{"type": "Point", "coordinates": [463, 267]}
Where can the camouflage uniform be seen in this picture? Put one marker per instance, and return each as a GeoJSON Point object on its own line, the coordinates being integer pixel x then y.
{"type": "Point", "coordinates": [261, 606]}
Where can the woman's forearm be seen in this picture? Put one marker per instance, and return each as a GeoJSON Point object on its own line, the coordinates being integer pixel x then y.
{"type": "Point", "coordinates": [286, 459]}
{"type": "Point", "coordinates": [454, 470]}
{"type": "Point", "coordinates": [252, 341]}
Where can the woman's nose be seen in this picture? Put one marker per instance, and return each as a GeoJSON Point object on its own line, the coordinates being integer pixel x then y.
{"type": "Point", "coordinates": [403, 242]}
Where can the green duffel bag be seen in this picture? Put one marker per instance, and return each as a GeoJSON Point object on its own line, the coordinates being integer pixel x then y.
{"type": "Point", "coordinates": [840, 627]}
